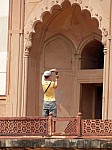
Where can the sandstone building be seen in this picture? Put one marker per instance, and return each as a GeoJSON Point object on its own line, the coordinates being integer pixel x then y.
{"type": "Point", "coordinates": [74, 36]}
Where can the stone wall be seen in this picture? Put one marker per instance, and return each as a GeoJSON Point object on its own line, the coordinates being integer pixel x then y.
{"type": "Point", "coordinates": [25, 57]}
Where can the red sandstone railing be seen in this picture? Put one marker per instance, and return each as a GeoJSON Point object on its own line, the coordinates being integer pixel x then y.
{"type": "Point", "coordinates": [23, 126]}
{"type": "Point", "coordinates": [66, 126]}
{"type": "Point", "coordinates": [49, 126]}
{"type": "Point", "coordinates": [96, 127]}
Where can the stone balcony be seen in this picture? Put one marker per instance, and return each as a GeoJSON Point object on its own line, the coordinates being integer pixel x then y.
{"type": "Point", "coordinates": [60, 132]}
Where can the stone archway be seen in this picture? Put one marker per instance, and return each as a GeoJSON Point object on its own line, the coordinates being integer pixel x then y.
{"type": "Point", "coordinates": [92, 56]}
{"type": "Point", "coordinates": [91, 63]}
{"type": "Point", "coordinates": [72, 26]}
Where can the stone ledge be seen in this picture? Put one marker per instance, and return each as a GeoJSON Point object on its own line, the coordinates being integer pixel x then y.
{"type": "Point", "coordinates": [56, 143]}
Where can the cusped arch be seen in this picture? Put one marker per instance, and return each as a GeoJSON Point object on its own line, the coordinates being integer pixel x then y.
{"type": "Point", "coordinates": [53, 7]}
{"type": "Point", "coordinates": [39, 19]}
{"type": "Point", "coordinates": [87, 12]}
{"type": "Point", "coordinates": [48, 16]}
{"type": "Point", "coordinates": [94, 20]}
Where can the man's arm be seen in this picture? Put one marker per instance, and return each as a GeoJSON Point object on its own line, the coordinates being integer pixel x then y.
{"type": "Point", "coordinates": [56, 81]}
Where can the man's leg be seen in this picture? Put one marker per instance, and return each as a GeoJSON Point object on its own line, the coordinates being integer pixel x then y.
{"type": "Point", "coordinates": [45, 109]}
{"type": "Point", "coordinates": [53, 108]}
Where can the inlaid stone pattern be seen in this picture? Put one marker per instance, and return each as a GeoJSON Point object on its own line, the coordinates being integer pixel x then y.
{"type": "Point", "coordinates": [71, 127]}
{"type": "Point", "coordinates": [97, 127]}
{"type": "Point", "coordinates": [26, 126]}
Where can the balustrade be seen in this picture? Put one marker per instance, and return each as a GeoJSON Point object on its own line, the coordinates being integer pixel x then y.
{"type": "Point", "coordinates": [50, 126]}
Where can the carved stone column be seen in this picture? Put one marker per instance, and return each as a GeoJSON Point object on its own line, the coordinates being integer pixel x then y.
{"type": "Point", "coordinates": [109, 116]}
{"type": "Point", "coordinates": [104, 97]}
{"type": "Point", "coordinates": [109, 99]}
{"type": "Point", "coordinates": [25, 75]}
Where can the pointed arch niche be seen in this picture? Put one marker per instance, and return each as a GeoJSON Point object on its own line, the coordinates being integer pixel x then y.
{"type": "Point", "coordinates": [55, 43]}
{"type": "Point", "coordinates": [58, 51]}
{"type": "Point", "coordinates": [92, 56]}
{"type": "Point", "coordinates": [91, 52]}
{"type": "Point", "coordinates": [90, 76]}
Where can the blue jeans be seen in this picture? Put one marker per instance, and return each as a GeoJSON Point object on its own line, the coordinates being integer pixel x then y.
{"type": "Point", "coordinates": [49, 106]}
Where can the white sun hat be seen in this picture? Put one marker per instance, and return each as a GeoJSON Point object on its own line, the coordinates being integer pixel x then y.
{"type": "Point", "coordinates": [47, 73]}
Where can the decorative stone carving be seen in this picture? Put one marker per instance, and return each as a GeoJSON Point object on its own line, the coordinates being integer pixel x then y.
{"type": "Point", "coordinates": [52, 3]}
{"type": "Point", "coordinates": [27, 52]}
{"type": "Point", "coordinates": [96, 14]}
{"type": "Point", "coordinates": [91, 9]}
{"type": "Point", "coordinates": [28, 45]}
{"type": "Point", "coordinates": [100, 18]}
{"type": "Point", "coordinates": [104, 31]}
{"type": "Point", "coordinates": [80, 1]}
{"type": "Point", "coordinates": [46, 8]}
{"type": "Point", "coordinates": [86, 6]}
{"type": "Point", "coordinates": [38, 16]}
{"type": "Point", "coordinates": [104, 42]}
{"type": "Point", "coordinates": [105, 51]}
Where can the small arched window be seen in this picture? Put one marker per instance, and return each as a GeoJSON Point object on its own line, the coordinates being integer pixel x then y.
{"type": "Point", "coordinates": [92, 56]}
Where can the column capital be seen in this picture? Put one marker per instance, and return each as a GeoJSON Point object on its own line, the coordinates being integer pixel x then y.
{"type": "Point", "coordinates": [28, 45]}
{"type": "Point", "coordinates": [105, 51]}
{"type": "Point", "coordinates": [27, 52]}
{"type": "Point", "coordinates": [105, 47]}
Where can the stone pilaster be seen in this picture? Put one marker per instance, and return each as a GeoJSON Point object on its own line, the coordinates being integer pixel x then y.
{"type": "Point", "coordinates": [15, 57]}
{"type": "Point", "coordinates": [26, 55]}
{"type": "Point", "coordinates": [109, 76]}
{"type": "Point", "coordinates": [104, 97]}
{"type": "Point", "coordinates": [110, 81]}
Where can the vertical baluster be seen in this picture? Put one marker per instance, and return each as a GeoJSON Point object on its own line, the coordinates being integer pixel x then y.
{"type": "Point", "coordinates": [79, 124]}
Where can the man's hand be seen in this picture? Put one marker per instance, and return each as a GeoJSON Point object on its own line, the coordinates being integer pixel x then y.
{"type": "Point", "coordinates": [57, 76]}
{"type": "Point", "coordinates": [53, 70]}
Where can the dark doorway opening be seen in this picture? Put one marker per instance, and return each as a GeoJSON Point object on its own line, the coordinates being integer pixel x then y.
{"type": "Point", "coordinates": [91, 100]}
{"type": "Point", "coordinates": [92, 56]}
{"type": "Point", "coordinates": [98, 102]}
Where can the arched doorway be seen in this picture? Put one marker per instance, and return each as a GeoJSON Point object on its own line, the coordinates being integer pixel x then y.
{"type": "Point", "coordinates": [55, 43]}
{"type": "Point", "coordinates": [92, 61]}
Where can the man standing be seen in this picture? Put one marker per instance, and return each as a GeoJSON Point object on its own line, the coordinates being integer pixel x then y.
{"type": "Point", "coordinates": [49, 86]}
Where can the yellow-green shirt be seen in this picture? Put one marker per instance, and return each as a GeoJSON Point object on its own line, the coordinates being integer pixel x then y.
{"type": "Point", "coordinates": [50, 93]}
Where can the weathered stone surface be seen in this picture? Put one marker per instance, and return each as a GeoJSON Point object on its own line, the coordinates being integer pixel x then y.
{"type": "Point", "coordinates": [56, 143]}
